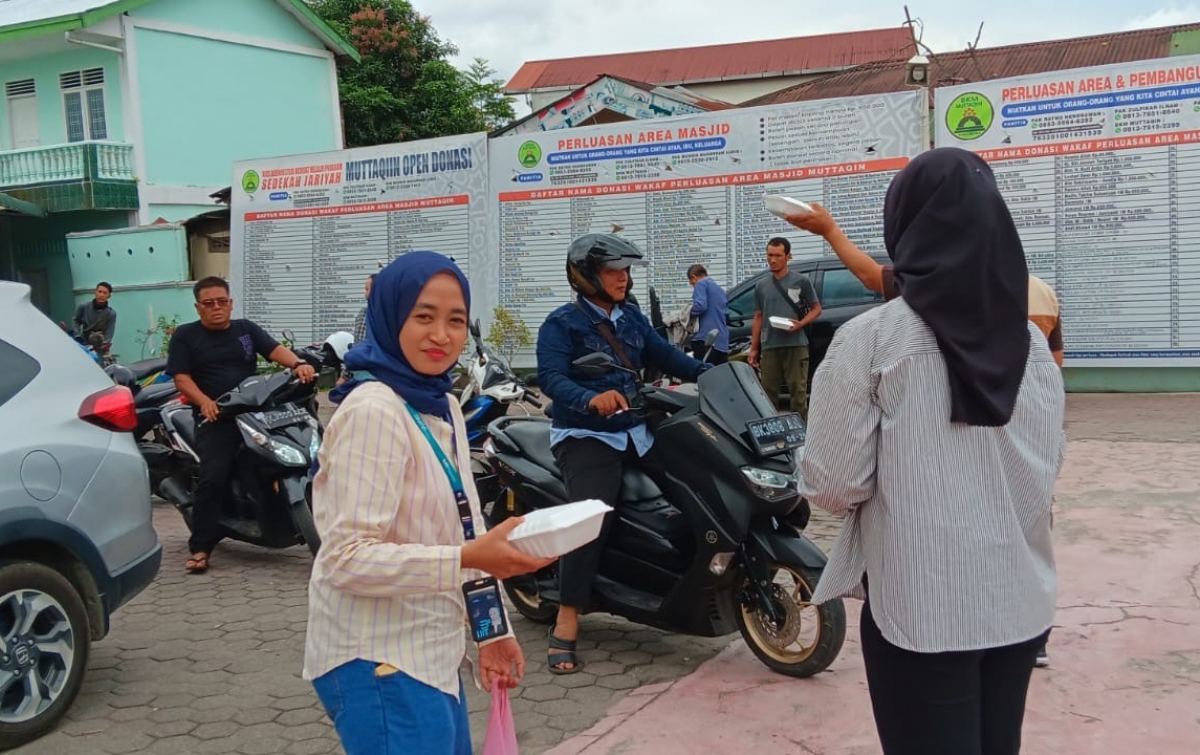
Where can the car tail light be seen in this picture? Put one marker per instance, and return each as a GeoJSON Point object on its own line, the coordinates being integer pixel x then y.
{"type": "Point", "coordinates": [111, 409]}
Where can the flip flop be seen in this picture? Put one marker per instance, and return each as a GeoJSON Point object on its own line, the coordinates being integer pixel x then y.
{"type": "Point", "coordinates": [197, 564]}
{"type": "Point", "coordinates": [554, 660]}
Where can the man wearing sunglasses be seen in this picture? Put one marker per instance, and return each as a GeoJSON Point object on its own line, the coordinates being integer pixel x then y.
{"type": "Point", "coordinates": [207, 359]}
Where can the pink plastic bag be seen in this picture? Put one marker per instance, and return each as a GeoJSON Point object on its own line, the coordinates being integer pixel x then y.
{"type": "Point", "coordinates": [501, 737]}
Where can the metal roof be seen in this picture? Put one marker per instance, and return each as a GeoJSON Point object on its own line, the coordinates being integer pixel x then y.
{"type": "Point", "coordinates": [949, 69]}
{"type": "Point", "coordinates": [742, 60]}
{"type": "Point", "coordinates": [31, 18]}
{"type": "Point", "coordinates": [20, 206]}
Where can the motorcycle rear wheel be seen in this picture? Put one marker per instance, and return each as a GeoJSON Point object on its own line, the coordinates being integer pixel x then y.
{"type": "Point", "coordinates": [810, 636]}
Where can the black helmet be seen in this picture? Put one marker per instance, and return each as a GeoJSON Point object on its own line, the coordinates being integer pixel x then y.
{"type": "Point", "coordinates": [592, 251]}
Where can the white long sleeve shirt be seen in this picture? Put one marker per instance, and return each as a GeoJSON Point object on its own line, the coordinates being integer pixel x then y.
{"type": "Point", "coordinates": [386, 584]}
{"type": "Point", "coordinates": [950, 521]}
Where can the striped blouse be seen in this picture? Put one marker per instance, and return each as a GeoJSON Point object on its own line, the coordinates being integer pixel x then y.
{"type": "Point", "coordinates": [386, 584]}
{"type": "Point", "coordinates": [951, 521]}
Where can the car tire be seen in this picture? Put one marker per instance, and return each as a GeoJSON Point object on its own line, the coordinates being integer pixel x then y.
{"type": "Point", "coordinates": [45, 616]}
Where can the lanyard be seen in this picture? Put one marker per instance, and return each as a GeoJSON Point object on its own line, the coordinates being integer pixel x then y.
{"type": "Point", "coordinates": [460, 496]}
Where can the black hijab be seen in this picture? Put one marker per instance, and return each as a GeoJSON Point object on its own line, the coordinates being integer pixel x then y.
{"type": "Point", "coordinates": [960, 265]}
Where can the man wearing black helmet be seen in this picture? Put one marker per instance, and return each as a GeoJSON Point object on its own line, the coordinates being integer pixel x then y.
{"type": "Point", "coordinates": [593, 436]}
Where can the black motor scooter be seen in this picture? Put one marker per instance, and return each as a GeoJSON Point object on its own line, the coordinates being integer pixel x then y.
{"type": "Point", "coordinates": [271, 493]}
{"type": "Point", "coordinates": [719, 550]}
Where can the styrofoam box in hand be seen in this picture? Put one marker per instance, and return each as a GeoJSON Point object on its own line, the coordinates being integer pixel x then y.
{"type": "Point", "coordinates": [781, 206]}
{"type": "Point", "coordinates": [551, 532]}
{"type": "Point", "coordinates": [782, 323]}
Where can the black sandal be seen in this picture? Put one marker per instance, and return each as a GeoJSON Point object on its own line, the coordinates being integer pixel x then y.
{"type": "Point", "coordinates": [554, 661]}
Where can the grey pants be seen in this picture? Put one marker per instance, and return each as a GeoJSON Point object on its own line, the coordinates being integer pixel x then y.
{"type": "Point", "coordinates": [786, 366]}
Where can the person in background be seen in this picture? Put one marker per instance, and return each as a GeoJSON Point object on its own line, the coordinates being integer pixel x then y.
{"type": "Point", "coordinates": [593, 435]}
{"type": "Point", "coordinates": [97, 315]}
{"type": "Point", "coordinates": [936, 431]}
{"type": "Point", "coordinates": [208, 358]}
{"type": "Point", "coordinates": [1044, 309]}
{"type": "Point", "coordinates": [710, 305]}
{"type": "Point", "coordinates": [360, 321]}
{"type": "Point", "coordinates": [782, 355]}
{"type": "Point", "coordinates": [401, 530]}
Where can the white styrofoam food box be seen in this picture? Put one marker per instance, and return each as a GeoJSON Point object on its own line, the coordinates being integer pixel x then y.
{"type": "Point", "coordinates": [781, 206]}
{"type": "Point", "coordinates": [782, 323]}
{"type": "Point", "coordinates": [559, 529]}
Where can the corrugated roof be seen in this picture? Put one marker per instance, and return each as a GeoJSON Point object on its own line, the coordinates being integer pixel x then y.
{"type": "Point", "coordinates": [20, 207]}
{"type": "Point", "coordinates": [949, 69]}
{"type": "Point", "coordinates": [742, 60]}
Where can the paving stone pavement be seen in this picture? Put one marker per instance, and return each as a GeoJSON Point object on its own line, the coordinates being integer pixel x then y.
{"type": "Point", "coordinates": [210, 664]}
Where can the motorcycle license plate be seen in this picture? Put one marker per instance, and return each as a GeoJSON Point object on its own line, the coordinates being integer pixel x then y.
{"type": "Point", "coordinates": [774, 435]}
{"type": "Point", "coordinates": [284, 417]}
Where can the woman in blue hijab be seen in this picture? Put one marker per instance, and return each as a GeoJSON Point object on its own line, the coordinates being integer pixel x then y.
{"type": "Point", "coordinates": [401, 530]}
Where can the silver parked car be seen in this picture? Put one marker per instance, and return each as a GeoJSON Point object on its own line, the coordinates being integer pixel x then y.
{"type": "Point", "coordinates": [76, 537]}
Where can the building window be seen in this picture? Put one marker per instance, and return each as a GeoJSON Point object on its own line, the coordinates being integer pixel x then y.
{"type": "Point", "coordinates": [21, 97]}
{"type": "Point", "coordinates": [83, 103]}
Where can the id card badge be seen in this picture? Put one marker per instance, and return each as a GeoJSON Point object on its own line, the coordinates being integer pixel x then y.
{"type": "Point", "coordinates": [485, 611]}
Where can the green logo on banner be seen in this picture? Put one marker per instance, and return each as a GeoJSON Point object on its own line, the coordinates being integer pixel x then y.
{"type": "Point", "coordinates": [969, 116]}
{"type": "Point", "coordinates": [250, 181]}
{"type": "Point", "coordinates": [530, 154]}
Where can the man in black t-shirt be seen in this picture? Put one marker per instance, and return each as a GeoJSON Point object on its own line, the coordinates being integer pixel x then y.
{"type": "Point", "coordinates": [207, 359]}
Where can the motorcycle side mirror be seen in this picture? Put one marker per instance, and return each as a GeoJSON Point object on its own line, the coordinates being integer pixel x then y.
{"type": "Point", "coordinates": [710, 339]}
{"type": "Point", "coordinates": [289, 336]}
{"type": "Point", "coordinates": [595, 364]}
{"type": "Point", "coordinates": [475, 329]}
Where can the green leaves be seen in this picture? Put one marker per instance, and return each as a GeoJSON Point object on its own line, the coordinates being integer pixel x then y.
{"type": "Point", "coordinates": [405, 88]}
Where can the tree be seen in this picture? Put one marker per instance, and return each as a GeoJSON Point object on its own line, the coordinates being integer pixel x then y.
{"type": "Point", "coordinates": [487, 95]}
{"type": "Point", "coordinates": [508, 333]}
{"type": "Point", "coordinates": [405, 88]}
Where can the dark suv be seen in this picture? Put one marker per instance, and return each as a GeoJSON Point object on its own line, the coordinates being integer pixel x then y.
{"type": "Point", "coordinates": [841, 295]}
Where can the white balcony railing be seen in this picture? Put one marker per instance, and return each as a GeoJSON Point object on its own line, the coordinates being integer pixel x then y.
{"type": "Point", "coordinates": [81, 161]}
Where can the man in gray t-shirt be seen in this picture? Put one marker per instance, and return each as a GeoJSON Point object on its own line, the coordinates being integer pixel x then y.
{"type": "Point", "coordinates": [781, 354]}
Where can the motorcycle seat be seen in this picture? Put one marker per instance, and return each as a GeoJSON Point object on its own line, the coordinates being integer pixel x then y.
{"type": "Point", "coordinates": [156, 393]}
{"type": "Point", "coordinates": [184, 422]}
{"type": "Point", "coordinates": [532, 439]}
{"type": "Point", "coordinates": [637, 486]}
{"type": "Point", "coordinates": [147, 367]}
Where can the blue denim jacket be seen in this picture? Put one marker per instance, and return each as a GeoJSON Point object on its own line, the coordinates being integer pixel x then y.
{"type": "Point", "coordinates": [572, 331]}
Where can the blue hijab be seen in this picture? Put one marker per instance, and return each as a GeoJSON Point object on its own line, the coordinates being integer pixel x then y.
{"type": "Point", "coordinates": [393, 295]}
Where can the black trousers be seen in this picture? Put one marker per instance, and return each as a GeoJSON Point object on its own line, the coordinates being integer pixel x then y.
{"type": "Point", "coordinates": [714, 358]}
{"type": "Point", "coordinates": [968, 703]}
{"type": "Point", "coordinates": [217, 444]}
{"type": "Point", "coordinates": [592, 469]}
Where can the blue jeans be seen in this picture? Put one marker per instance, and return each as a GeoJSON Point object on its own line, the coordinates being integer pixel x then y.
{"type": "Point", "coordinates": [393, 714]}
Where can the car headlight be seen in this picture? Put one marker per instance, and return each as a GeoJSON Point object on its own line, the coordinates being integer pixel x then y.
{"type": "Point", "coordinates": [770, 484]}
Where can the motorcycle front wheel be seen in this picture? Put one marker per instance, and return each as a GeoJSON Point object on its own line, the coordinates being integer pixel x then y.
{"type": "Point", "coordinates": [805, 638]}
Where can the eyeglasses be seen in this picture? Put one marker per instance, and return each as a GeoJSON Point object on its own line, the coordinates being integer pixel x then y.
{"type": "Point", "coordinates": [215, 303]}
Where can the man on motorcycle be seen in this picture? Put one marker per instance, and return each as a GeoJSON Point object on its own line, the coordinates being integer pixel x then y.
{"type": "Point", "coordinates": [593, 434]}
{"type": "Point", "coordinates": [207, 359]}
{"type": "Point", "coordinates": [97, 316]}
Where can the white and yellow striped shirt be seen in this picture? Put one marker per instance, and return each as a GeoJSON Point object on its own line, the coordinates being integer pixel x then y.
{"type": "Point", "coordinates": [386, 584]}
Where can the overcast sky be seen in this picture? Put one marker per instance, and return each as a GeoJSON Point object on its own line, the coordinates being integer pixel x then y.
{"type": "Point", "coordinates": [512, 32]}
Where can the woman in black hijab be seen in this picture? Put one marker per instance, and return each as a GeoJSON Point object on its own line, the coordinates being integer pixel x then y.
{"type": "Point", "coordinates": [936, 430]}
